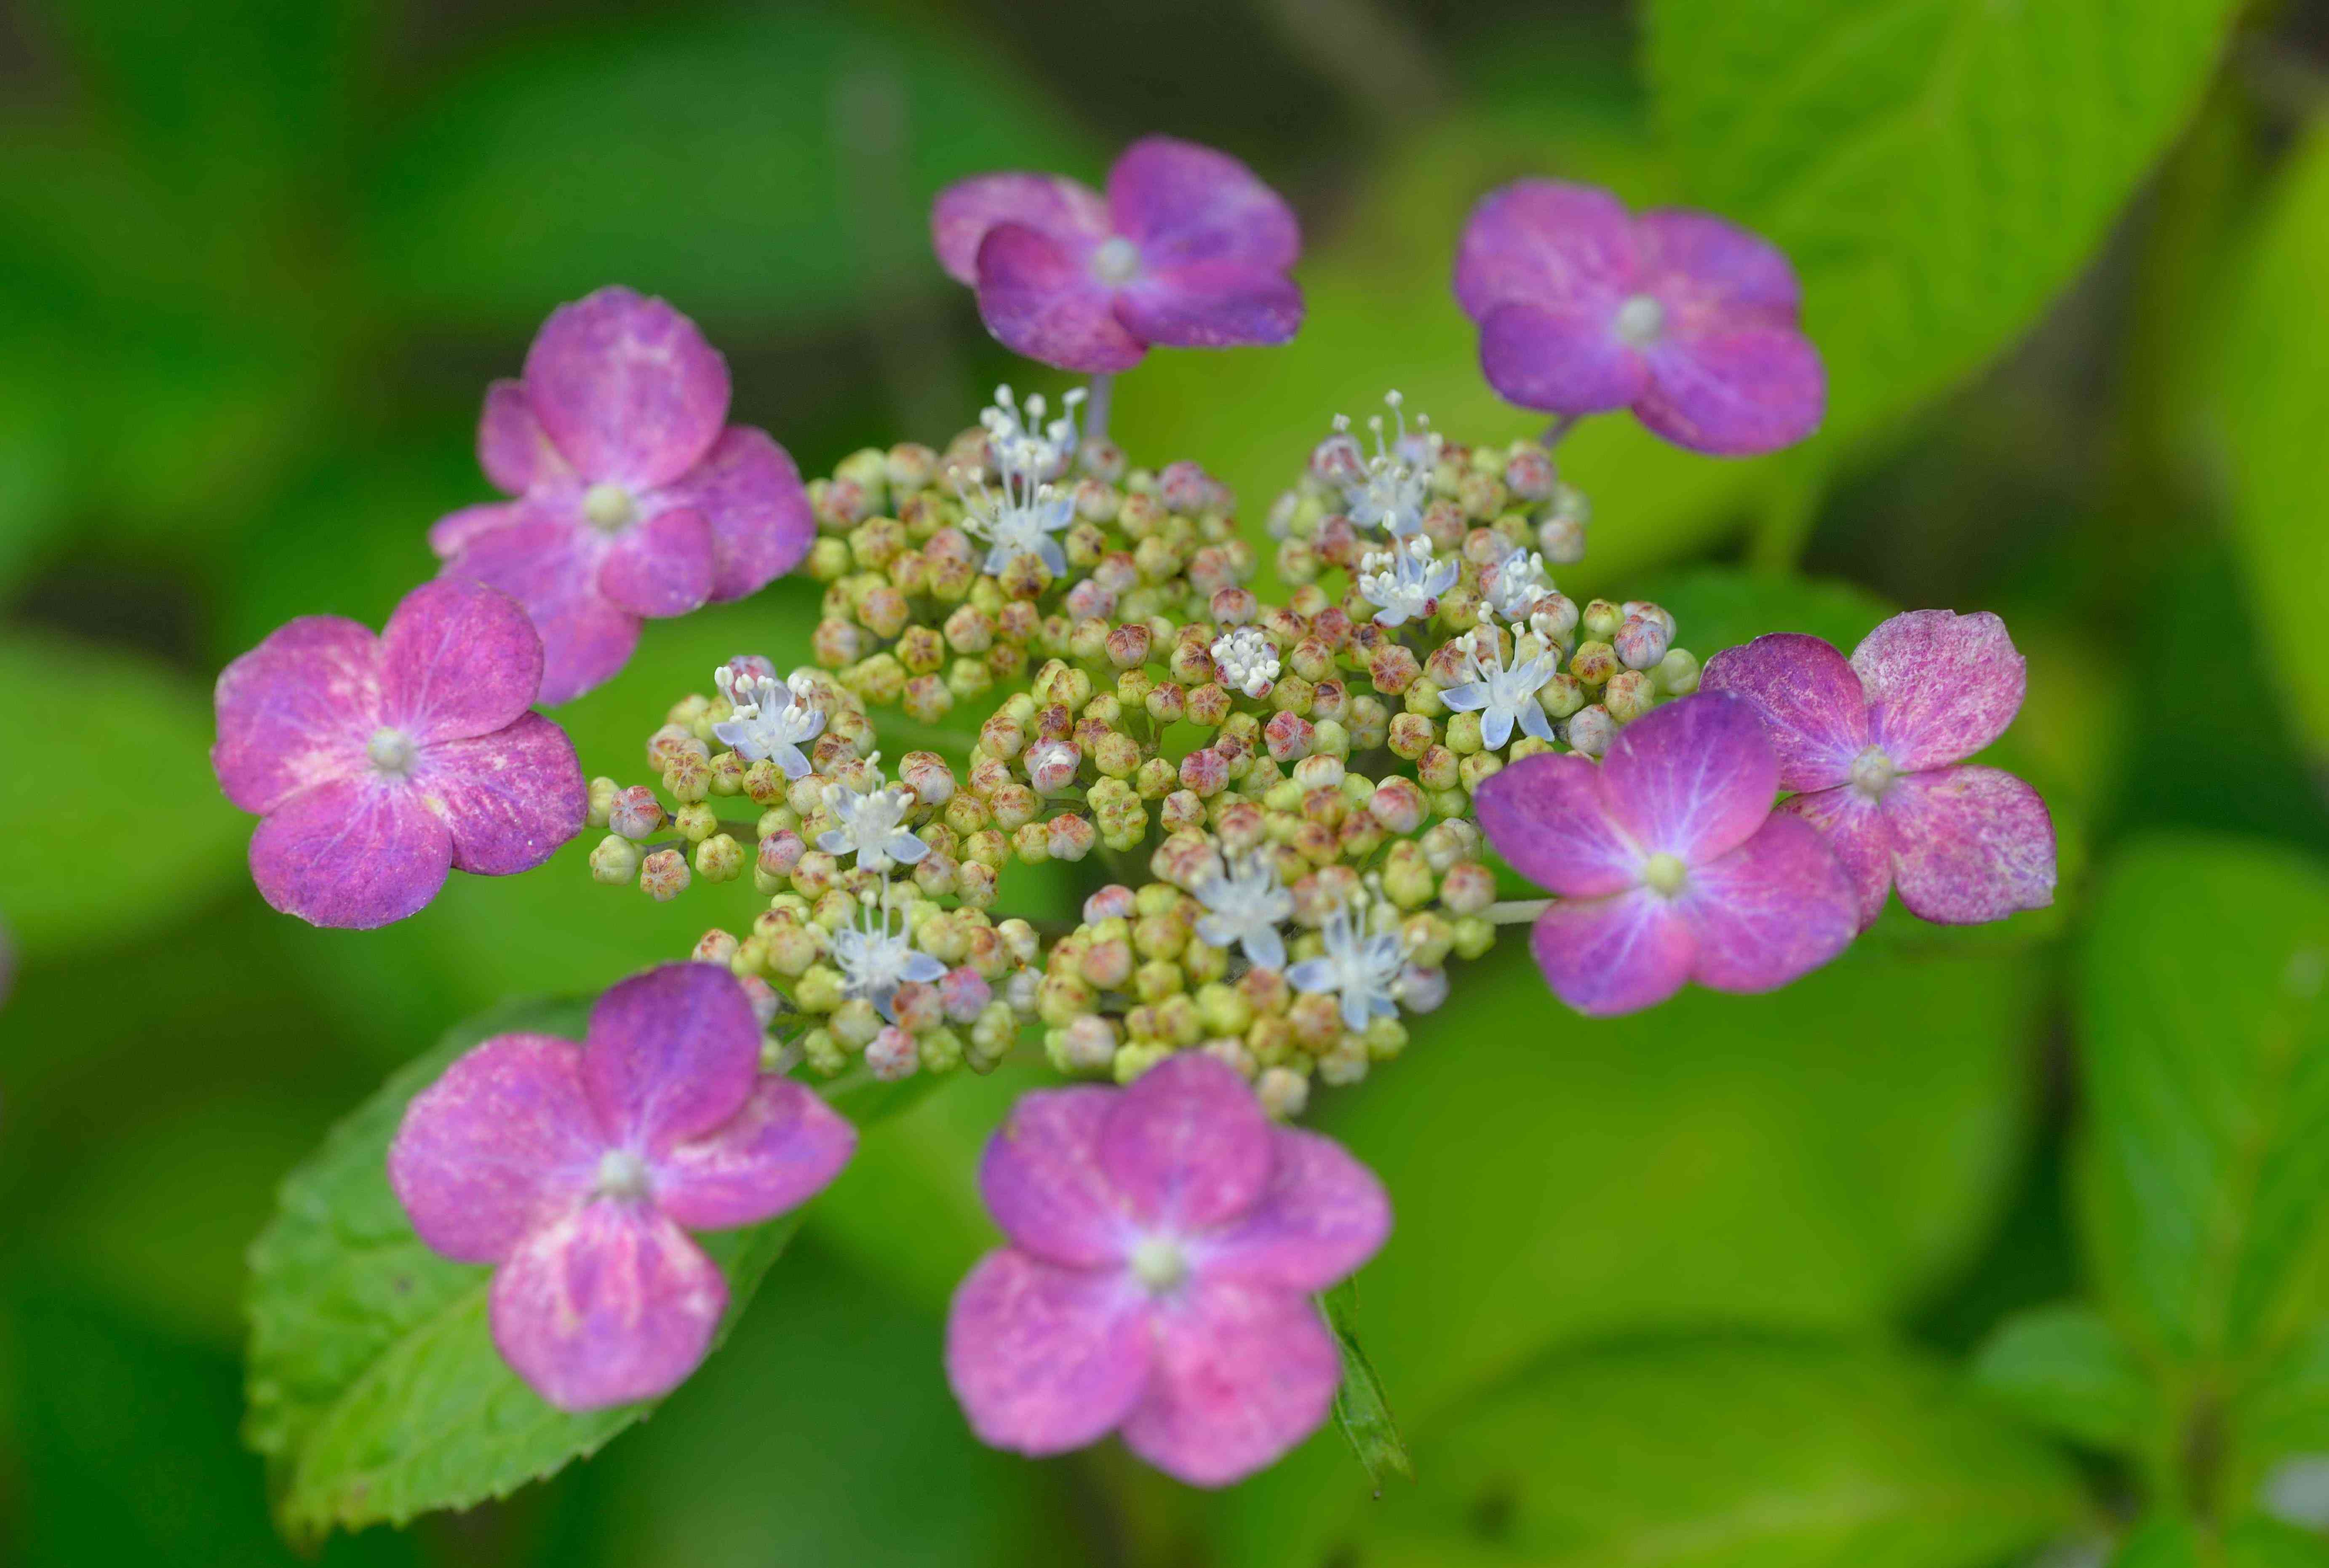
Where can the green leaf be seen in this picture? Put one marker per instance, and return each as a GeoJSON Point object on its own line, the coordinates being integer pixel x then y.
{"type": "Point", "coordinates": [772, 169]}
{"type": "Point", "coordinates": [1712, 1454]}
{"type": "Point", "coordinates": [2270, 406]}
{"type": "Point", "coordinates": [110, 756]}
{"type": "Point", "coordinates": [1938, 170]}
{"type": "Point", "coordinates": [1715, 608]}
{"type": "Point", "coordinates": [1361, 1408]}
{"type": "Point", "coordinates": [2206, 1056]}
{"type": "Point", "coordinates": [2062, 1369]}
{"type": "Point", "coordinates": [375, 1391]}
{"type": "Point", "coordinates": [2270, 1543]}
{"type": "Point", "coordinates": [2161, 1544]}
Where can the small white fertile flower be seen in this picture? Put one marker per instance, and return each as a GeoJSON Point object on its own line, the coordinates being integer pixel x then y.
{"type": "Point", "coordinates": [1019, 516]}
{"type": "Point", "coordinates": [1247, 660]}
{"type": "Point", "coordinates": [1397, 482]}
{"type": "Point", "coordinates": [1405, 582]}
{"type": "Point", "coordinates": [1501, 696]}
{"type": "Point", "coordinates": [875, 957]}
{"type": "Point", "coordinates": [1516, 583]}
{"type": "Point", "coordinates": [771, 721]}
{"type": "Point", "coordinates": [1244, 906]}
{"type": "Point", "coordinates": [872, 825]}
{"type": "Point", "coordinates": [1362, 969]}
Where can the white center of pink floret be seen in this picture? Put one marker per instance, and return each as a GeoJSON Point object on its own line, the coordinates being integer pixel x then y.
{"type": "Point", "coordinates": [1116, 260]}
{"type": "Point", "coordinates": [392, 751]}
{"type": "Point", "coordinates": [1159, 1262]}
{"type": "Point", "coordinates": [608, 506]}
{"type": "Point", "coordinates": [1640, 320]}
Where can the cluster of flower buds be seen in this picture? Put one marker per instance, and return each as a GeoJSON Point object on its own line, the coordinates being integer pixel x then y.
{"type": "Point", "coordinates": [1278, 798]}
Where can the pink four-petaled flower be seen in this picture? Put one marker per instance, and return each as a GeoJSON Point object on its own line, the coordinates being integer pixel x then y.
{"type": "Point", "coordinates": [580, 1170]}
{"type": "Point", "coordinates": [1164, 1242]}
{"type": "Point", "coordinates": [1872, 746]}
{"type": "Point", "coordinates": [1670, 863]}
{"type": "Point", "coordinates": [1688, 320]}
{"type": "Point", "coordinates": [635, 496]}
{"type": "Point", "coordinates": [381, 763]}
{"type": "Point", "coordinates": [1187, 250]}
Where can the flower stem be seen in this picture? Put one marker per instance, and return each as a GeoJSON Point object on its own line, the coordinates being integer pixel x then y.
{"type": "Point", "coordinates": [1555, 430]}
{"type": "Point", "coordinates": [1098, 395]}
{"type": "Point", "coordinates": [1517, 910]}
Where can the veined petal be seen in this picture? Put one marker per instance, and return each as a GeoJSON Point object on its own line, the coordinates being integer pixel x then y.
{"type": "Point", "coordinates": [749, 490]}
{"type": "Point", "coordinates": [458, 658]}
{"type": "Point", "coordinates": [1855, 828]}
{"type": "Point", "coordinates": [1545, 814]}
{"type": "Point", "coordinates": [1041, 1179]}
{"type": "Point", "coordinates": [1969, 844]}
{"type": "Point", "coordinates": [609, 1303]}
{"type": "Point", "coordinates": [661, 566]}
{"type": "Point", "coordinates": [1242, 1373]}
{"type": "Point", "coordinates": [1618, 954]}
{"type": "Point", "coordinates": [1547, 243]}
{"type": "Point", "coordinates": [1187, 1145]}
{"type": "Point", "coordinates": [1181, 204]}
{"type": "Point", "coordinates": [451, 534]}
{"type": "Point", "coordinates": [627, 388]}
{"type": "Point", "coordinates": [1707, 268]}
{"type": "Point", "coordinates": [1322, 1214]}
{"type": "Point", "coordinates": [1777, 907]}
{"type": "Point", "coordinates": [671, 1053]}
{"type": "Point", "coordinates": [550, 569]}
{"type": "Point", "coordinates": [1693, 778]}
{"type": "Point", "coordinates": [506, 1140]}
{"type": "Point", "coordinates": [512, 449]}
{"type": "Point", "coordinates": [781, 1150]}
{"type": "Point", "coordinates": [1049, 204]}
{"type": "Point", "coordinates": [1040, 300]}
{"type": "Point", "coordinates": [1561, 358]}
{"type": "Point", "coordinates": [1940, 685]}
{"type": "Point", "coordinates": [1733, 390]}
{"type": "Point", "coordinates": [296, 711]}
{"type": "Point", "coordinates": [1211, 305]}
{"type": "Point", "coordinates": [1045, 1359]}
{"type": "Point", "coordinates": [354, 853]}
{"type": "Point", "coordinates": [1814, 712]}
{"type": "Point", "coordinates": [509, 799]}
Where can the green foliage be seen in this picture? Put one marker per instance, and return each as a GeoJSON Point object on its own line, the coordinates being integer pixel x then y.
{"type": "Point", "coordinates": [375, 1390]}
{"type": "Point", "coordinates": [1361, 1408]}
{"type": "Point", "coordinates": [2272, 403]}
{"type": "Point", "coordinates": [1744, 1454]}
{"type": "Point", "coordinates": [1938, 170]}
{"type": "Point", "coordinates": [110, 768]}
{"type": "Point", "coordinates": [1715, 608]}
{"type": "Point", "coordinates": [2061, 1368]}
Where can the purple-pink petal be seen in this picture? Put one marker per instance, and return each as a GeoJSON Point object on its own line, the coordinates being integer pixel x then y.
{"type": "Point", "coordinates": [781, 1149]}
{"type": "Point", "coordinates": [1969, 844]}
{"type": "Point", "coordinates": [670, 1055]}
{"type": "Point", "coordinates": [1940, 685]}
{"type": "Point", "coordinates": [1241, 1374]}
{"type": "Point", "coordinates": [1814, 712]}
{"type": "Point", "coordinates": [1187, 1145]}
{"type": "Point", "coordinates": [966, 210]}
{"type": "Point", "coordinates": [1698, 265]}
{"type": "Point", "coordinates": [453, 532]}
{"type": "Point", "coordinates": [1607, 956]}
{"type": "Point", "coordinates": [352, 853]}
{"type": "Point", "coordinates": [661, 566]}
{"type": "Point", "coordinates": [1691, 779]}
{"type": "Point", "coordinates": [609, 1303]}
{"type": "Point", "coordinates": [505, 1139]}
{"type": "Point", "coordinates": [1777, 907]}
{"type": "Point", "coordinates": [1182, 202]}
{"type": "Point", "coordinates": [1560, 358]}
{"type": "Point", "coordinates": [1211, 305]}
{"type": "Point", "coordinates": [515, 452]}
{"type": "Point", "coordinates": [1544, 814]}
{"type": "Point", "coordinates": [626, 388]}
{"type": "Point", "coordinates": [509, 798]}
{"type": "Point", "coordinates": [1732, 389]}
{"type": "Point", "coordinates": [1322, 1214]}
{"type": "Point", "coordinates": [1045, 1359]}
{"type": "Point", "coordinates": [1855, 827]}
{"type": "Point", "coordinates": [1041, 1179]}
{"type": "Point", "coordinates": [1547, 242]}
{"type": "Point", "coordinates": [295, 710]}
{"type": "Point", "coordinates": [457, 659]}
{"type": "Point", "coordinates": [1040, 299]}
{"type": "Point", "coordinates": [546, 566]}
{"type": "Point", "coordinates": [747, 487]}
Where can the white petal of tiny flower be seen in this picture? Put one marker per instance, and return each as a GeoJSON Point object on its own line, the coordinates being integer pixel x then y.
{"type": "Point", "coordinates": [1405, 582]}
{"type": "Point", "coordinates": [1247, 660]}
{"type": "Point", "coordinates": [1019, 516]}
{"type": "Point", "coordinates": [771, 721]}
{"type": "Point", "coordinates": [1517, 582]}
{"type": "Point", "coordinates": [1244, 906]}
{"type": "Point", "coordinates": [1360, 967]}
{"type": "Point", "coordinates": [875, 957]}
{"type": "Point", "coordinates": [873, 826]}
{"type": "Point", "coordinates": [1501, 696]}
{"type": "Point", "coordinates": [1397, 482]}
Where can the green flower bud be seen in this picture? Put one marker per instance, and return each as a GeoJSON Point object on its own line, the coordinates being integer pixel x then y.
{"type": "Point", "coordinates": [615, 861]}
{"type": "Point", "coordinates": [695, 822]}
{"type": "Point", "coordinates": [1474, 937]}
{"type": "Point", "coordinates": [719, 858]}
{"type": "Point", "coordinates": [855, 1023]}
{"type": "Point", "coordinates": [1677, 672]}
{"type": "Point", "coordinates": [663, 875]}
{"type": "Point", "coordinates": [603, 793]}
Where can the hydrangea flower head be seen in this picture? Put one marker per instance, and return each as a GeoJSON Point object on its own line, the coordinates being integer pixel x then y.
{"type": "Point", "coordinates": [872, 824]}
{"type": "Point", "coordinates": [635, 496]}
{"type": "Point", "coordinates": [1688, 320]}
{"type": "Point", "coordinates": [771, 721]}
{"type": "Point", "coordinates": [1360, 967]}
{"type": "Point", "coordinates": [1245, 903]}
{"type": "Point", "coordinates": [379, 764]}
{"type": "Point", "coordinates": [1023, 513]}
{"type": "Point", "coordinates": [1670, 863]}
{"type": "Point", "coordinates": [1503, 693]}
{"type": "Point", "coordinates": [1405, 582]}
{"type": "Point", "coordinates": [1874, 746]}
{"type": "Point", "coordinates": [579, 1169]}
{"type": "Point", "coordinates": [1187, 250]}
{"type": "Point", "coordinates": [1164, 1241]}
{"type": "Point", "coordinates": [877, 955]}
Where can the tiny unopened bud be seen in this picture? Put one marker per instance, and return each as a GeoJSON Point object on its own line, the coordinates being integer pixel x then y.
{"type": "Point", "coordinates": [1630, 695]}
{"type": "Point", "coordinates": [719, 858]}
{"type": "Point", "coordinates": [1283, 1093]}
{"type": "Point", "coordinates": [1677, 674]}
{"type": "Point", "coordinates": [615, 861]}
{"type": "Point", "coordinates": [635, 813]}
{"type": "Point", "coordinates": [663, 875]}
{"type": "Point", "coordinates": [891, 1055]}
{"type": "Point", "coordinates": [1589, 730]}
{"type": "Point", "coordinates": [1642, 641]}
{"type": "Point", "coordinates": [714, 946]}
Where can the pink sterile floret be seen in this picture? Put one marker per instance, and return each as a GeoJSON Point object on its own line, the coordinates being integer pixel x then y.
{"type": "Point", "coordinates": [636, 497]}
{"type": "Point", "coordinates": [379, 763]}
{"type": "Point", "coordinates": [580, 1170]}
{"type": "Point", "coordinates": [1688, 320]}
{"type": "Point", "coordinates": [1164, 1244]}
{"type": "Point", "coordinates": [1187, 249]}
{"type": "Point", "coordinates": [1670, 863]}
{"type": "Point", "coordinates": [1872, 746]}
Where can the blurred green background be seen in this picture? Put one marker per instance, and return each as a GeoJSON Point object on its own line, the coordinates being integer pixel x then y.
{"type": "Point", "coordinates": [1972, 1248]}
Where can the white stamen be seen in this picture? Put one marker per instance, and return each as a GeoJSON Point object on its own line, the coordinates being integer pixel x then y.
{"type": "Point", "coordinates": [1872, 772]}
{"type": "Point", "coordinates": [1021, 516]}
